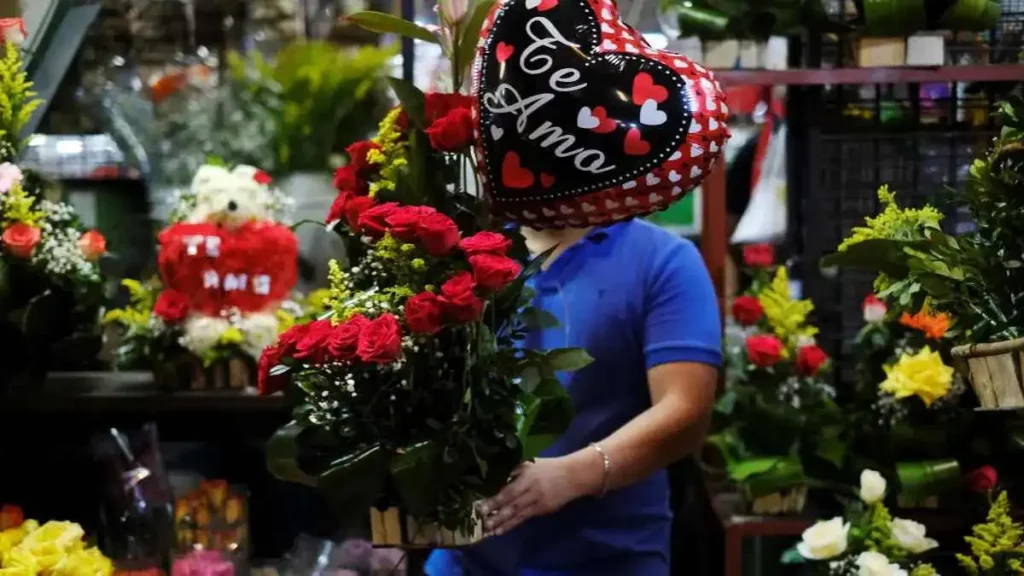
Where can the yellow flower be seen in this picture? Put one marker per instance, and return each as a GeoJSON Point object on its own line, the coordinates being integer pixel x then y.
{"type": "Point", "coordinates": [16, 206]}
{"type": "Point", "coordinates": [66, 536]}
{"type": "Point", "coordinates": [922, 375]}
{"type": "Point", "coordinates": [18, 571]}
{"type": "Point", "coordinates": [894, 223]}
{"type": "Point", "coordinates": [231, 336]}
{"type": "Point", "coordinates": [284, 320]}
{"type": "Point", "coordinates": [89, 562]}
{"type": "Point", "coordinates": [785, 315]}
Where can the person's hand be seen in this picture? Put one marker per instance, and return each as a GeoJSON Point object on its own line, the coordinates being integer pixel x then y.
{"type": "Point", "coordinates": [541, 487]}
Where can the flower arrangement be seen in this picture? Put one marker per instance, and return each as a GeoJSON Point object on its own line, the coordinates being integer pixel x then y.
{"type": "Point", "coordinates": [775, 381]}
{"type": "Point", "coordinates": [227, 267]}
{"type": "Point", "coordinates": [51, 549]}
{"type": "Point", "coordinates": [997, 545]}
{"type": "Point", "coordinates": [867, 541]}
{"type": "Point", "coordinates": [417, 391]}
{"type": "Point", "coordinates": [50, 281]}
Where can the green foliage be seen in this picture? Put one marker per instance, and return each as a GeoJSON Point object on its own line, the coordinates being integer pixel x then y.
{"type": "Point", "coordinates": [17, 102]}
{"type": "Point", "coordinates": [996, 546]}
{"type": "Point", "coordinates": [389, 24]}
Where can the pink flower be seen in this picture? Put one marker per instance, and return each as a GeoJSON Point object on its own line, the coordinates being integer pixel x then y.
{"type": "Point", "coordinates": [9, 176]}
{"type": "Point", "coordinates": [874, 309]}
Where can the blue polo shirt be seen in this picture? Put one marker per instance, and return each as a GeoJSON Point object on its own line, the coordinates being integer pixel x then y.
{"type": "Point", "coordinates": [634, 296]}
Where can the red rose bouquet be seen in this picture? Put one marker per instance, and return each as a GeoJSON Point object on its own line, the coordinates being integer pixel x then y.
{"type": "Point", "coordinates": [50, 281]}
{"type": "Point", "coordinates": [416, 391]}
{"type": "Point", "coordinates": [777, 393]}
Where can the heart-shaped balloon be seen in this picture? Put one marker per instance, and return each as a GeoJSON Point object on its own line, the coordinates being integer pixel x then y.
{"type": "Point", "coordinates": [249, 268]}
{"type": "Point", "coordinates": [581, 122]}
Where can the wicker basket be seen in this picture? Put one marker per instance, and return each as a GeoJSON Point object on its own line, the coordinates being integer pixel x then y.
{"type": "Point", "coordinates": [995, 372]}
{"type": "Point", "coordinates": [395, 528]}
{"type": "Point", "coordinates": [790, 501]}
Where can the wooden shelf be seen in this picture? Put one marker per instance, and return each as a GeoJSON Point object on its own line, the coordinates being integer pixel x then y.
{"type": "Point", "coordinates": [896, 75]}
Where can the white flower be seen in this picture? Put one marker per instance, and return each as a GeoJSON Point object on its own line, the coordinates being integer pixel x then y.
{"type": "Point", "coordinates": [877, 564]}
{"type": "Point", "coordinates": [872, 486]}
{"type": "Point", "coordinates": [259, 330]}
{"type": "Point", "coordinates": [910, 536]}
{"type": "Point", "coordinates": [805, 340]}
{"type": "Point", "coordinates": [826, 539]}
{"type": "Point", "coordinates": [202, 333]}
{"type": "Point", "coordinates": [874, 309]}
{"type": "Point", "coordinates": [9, 176]}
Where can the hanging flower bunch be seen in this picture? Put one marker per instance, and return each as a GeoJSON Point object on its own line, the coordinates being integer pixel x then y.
{"type": "Point", "coordinates": [48, 261]}
{"type": "Point", "coordinates": [51, 549]}
{"type": "Point", "coordinates": [776, 381]}
{"type": "Point", "coordinates": [416, 390]}
{"type": "Point", "coordinates": [227, 267]}
{"type": "Point", "coordinates": [868, 540]}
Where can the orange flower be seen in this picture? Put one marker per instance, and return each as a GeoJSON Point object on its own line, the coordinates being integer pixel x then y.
{"type": "Point", "coordinates": [934, 326]}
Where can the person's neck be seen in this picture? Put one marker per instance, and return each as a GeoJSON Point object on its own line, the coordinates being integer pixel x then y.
{"type": "Point", "coordinates": [540, 241]}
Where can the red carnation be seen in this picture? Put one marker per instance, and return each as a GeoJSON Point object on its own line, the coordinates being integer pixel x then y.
{"type": "Point", "coordinates": [486, 242]}
{"type": "Point", "coordinates": [810, 359]}
{"type": "Point", "coordinates": [171, 306]}
{"type": "Point", "coordinates": [982, 480]}
{"type": "Point", "coordinates": [423, 313]}
{"type": "Point", "coordinates": [312, 348]}
{"type": "Point", "coordinates": [759, 255]}
{"type": "Point", "coordinates": [458, 301]}
{"type": "Point", "coordinates": [404, 223]}
{"type": "Point", "coordinates": [337, 210]}
{"type": "Point", "coordinates": [354, 210]}
{"type": "Point", "coordinates": [357, 152]}
{"type": "Point", "coordinates": [262, 178]}
{"type": "Point", "coordinates": [267, 384]}
{"type": "Point", "coordinates": [763, 350]}
{"type": "Point", "coordinates": [438, 234]}
{"type": "Point", "coordinates": [374, 221]}
{"type": "Point", "coordinates": [439, 104]}
{"type": "Point", "coordinates": [493, 272]}
{"type": "Point", "coordinates": [452, 132]}
{"type": "Point", "coordinates": [380, 341]}
{"type": "Point", "coordinates": [344, 339]}
{"type": "Point", "coordinates": [747, 310]}
{"type": "Point", "coordinates": [347, 179]}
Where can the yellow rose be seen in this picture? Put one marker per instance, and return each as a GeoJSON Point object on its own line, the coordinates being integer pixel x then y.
{"type": "Point", "coordinates": [922, 375]}
{"type": "Point", "coordinates": [17, 571]}
{"type": "Point", "coordinates": [45, 555]}
{"type": "Point", "coordinates": [88, 562]}
{"type": "Point", "coordinates": [67, 536]}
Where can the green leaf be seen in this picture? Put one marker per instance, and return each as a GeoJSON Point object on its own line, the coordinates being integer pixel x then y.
{"type": "Point", "coordinates": [763, 476]}
{"type": "Point", "coordinates": [471, 33]}
{"type": "Point", "coordinates": [567, 359]}
{"type": "Point", "coordinates": [831, 446]}
{"type": "Point", "coordinates": [352, 482]}
{"type": "Point", "coordinates": [282, 454]}
{"type": "Point", "coordinates": [529, 378]}
{"type": "Point", "coordinates": [384, 23]}
{"type": "Point", "coordinates": [279, 370]}
{"type": "Point", "coordinates": [538, 319]}
{"type": "Point", "coordinates": [726, 403]}
{"type": "Point", "coordinates": [792, 556]}
{"type": "Point", "coordinates": [413, 101]}
{"type": "Point", "coordinates": [416, 476]}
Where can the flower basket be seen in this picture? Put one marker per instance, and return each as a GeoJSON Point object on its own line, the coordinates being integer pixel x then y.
{"type": "Point", "coordinates": [392, 527]}
{"type": "Point", "coordinates": [783, 502]}
{"type": "Point", "coordinates": [995, 372]}
{"type": "Point", "coordinates": [188, 373]}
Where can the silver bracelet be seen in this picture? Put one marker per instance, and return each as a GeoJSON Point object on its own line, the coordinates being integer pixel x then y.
{"type": "Point", "coordinates": [607, 462]}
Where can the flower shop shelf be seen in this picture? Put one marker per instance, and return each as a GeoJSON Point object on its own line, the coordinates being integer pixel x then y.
{"type": "Point", "coordinates": [890, 75]}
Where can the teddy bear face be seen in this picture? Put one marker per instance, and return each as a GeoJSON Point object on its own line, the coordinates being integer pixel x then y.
{"type": "Point", "coordinates": [229, 198]}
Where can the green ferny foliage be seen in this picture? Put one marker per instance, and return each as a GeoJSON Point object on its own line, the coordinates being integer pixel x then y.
{"type": "Point", "coordinates": [17, 101]}
{"type": "Point", "coordinates": [996, 546]}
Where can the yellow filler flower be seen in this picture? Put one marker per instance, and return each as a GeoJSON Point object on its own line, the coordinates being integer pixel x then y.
{"type": "Point", "coordinates": [923, 375]}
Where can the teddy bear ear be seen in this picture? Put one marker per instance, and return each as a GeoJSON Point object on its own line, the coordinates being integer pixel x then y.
{"type": "Point", "coordinates": [206, 174]}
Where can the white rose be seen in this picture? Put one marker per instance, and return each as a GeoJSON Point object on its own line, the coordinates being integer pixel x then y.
{"type": "Point", "coordinates": [259, 330]}
{"type": "Point", "coordinates": [826, 539]}
{"type": "Point", "coordinates": [910, 536]}
{"type": "Point", "coordinates": [872, 486]}
{"type": "Point", "coordinates": [202, 333]}
{"type": "Point", "coordinates": [877, 564]}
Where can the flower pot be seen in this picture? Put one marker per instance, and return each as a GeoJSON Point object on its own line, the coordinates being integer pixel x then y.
{"type": "Point", "coordinates": [995, 371]}
{"type": "Point", "coordinates": [780, 503]}
{"type": "Point", "coordinates": [393, 527]}
{"type": "Point", "coordinates": [313, 193]}
{"type": "Point", "coordinates": [187, 373]}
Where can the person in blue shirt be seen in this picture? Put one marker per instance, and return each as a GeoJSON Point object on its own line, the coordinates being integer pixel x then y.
{"type": "Point", "coordinates": [640, 301]}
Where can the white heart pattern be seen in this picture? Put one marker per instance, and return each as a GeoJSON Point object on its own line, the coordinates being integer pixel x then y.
{"type": "Point", "coordinates": [674, 176]}
{"type": "Point", "coordinates": [588, 208]}
{"type": "Point", "coordinates": [611, 204]}
{"type": "Point", "coordinates": [531, 4]}
{"type": "Point", "coordinates": [606, 28]}
{"type": "Point", "coordinates": [676, 190]}
{"type": "Point", "coordinates": [650, 115]}
{"type": "Point", "coordinates": [712, 124]}
{"type": "Point", "coordinates": [608, 45]}
{"type": "Point", "coordinates": [714, 147]}
{"type": "Point", "coordinates": [696, 151]}
{"type": "Point", "coordinates": [630, 201]}
{"type": "Point", "coordinates": [680, 63]}
{"type": "Point", "coordinates": [695, 172]}
{"type": "Point", "coordinates": [654, 198]}
{"type": "Point", "coordinates": [606, 14]}
{"type": "Point", "coordinates": [586, 120]}
{"type": "Point", "coordinates": [547, 212]}
{"type": "Point", "coordinates": [497, 132]}
{"type": "Point", "coordinates": [675, 156]}
{"type": "Point", "coordinates": [695, 127]}
{"type": "Point", "coordinates": [652, 180]}
{"type": "Point", "coordinates": [632, 49]}
{"type": "Point", "coordinates": [566, 210]}
{"type": "Point", "coordinates": [529, 215]}
{"type": "Point", "coordinates": [629, 185]}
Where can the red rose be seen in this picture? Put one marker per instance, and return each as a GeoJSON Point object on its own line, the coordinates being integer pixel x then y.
{"type": "Point", "coordinates": [764, 350]}
{"type": "Point", "coordinates": [747, 310]}
{"type": "Point", "coordinates": [453, 132]}
{"type": "Point", "coordinates": [312, 348]}
{"type": "Point", "coordinates": [345, 338]}
{"type": "Point", "coordinates": [265, 383]}
{"type": "Point", "coordinates": [171, 306]}
{"type": "Point", "coordinates": [439, 104]}
{"type": "Point", "coordinates": [381, 340]}
{"type": "Point", "coordinates": [357, 152]}
{"type": "Point", "coordinates": [374, 221]}
{"type": "Point", "coordinates": [759, 255]}
{"type": "Point", "coordinates": [262, 178]}
{"type": "Point", "coordinates": [289, 340]}
{"type": "Point", "coordinates": [493, 272]}
{"type": "Point", "coordinates": [92, 244]}
{"type": "Point", "coordinates": [982, 480]}
{"type": "Point", "coordinates": [354, 211]}
{"type": "Point", "coordinates": [423, 313]}
{"type": "Point", "coordinates": [438, 234]}
{"type": "Point", "coordinates": [458, 301]}
{"type": "Point", "coordinates": [405, 222]}
{"type": "Point", "coordinates": [810, 359]}
{"type": "Point", "coordinates": [337, 210]}
{"type": "Point", "coordinates": [347, 179]}
{"type": "Point", "coordinates": [21, 239]}
{"type": "Point", "coordinates": [486, 242]}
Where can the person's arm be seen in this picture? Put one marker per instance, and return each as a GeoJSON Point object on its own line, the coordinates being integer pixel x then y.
{"type": "Point", "coordinates": [682, 346]}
